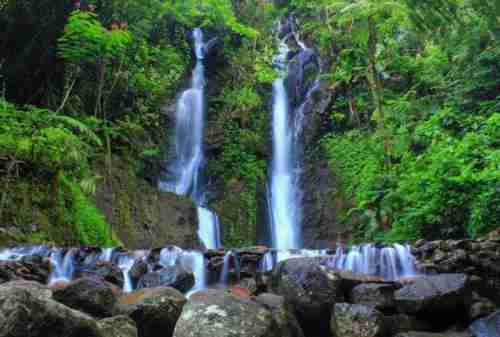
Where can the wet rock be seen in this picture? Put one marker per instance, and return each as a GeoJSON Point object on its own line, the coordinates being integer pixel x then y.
{"type": "Point", "coordinates": [481, 307]}
{"type": "Point", "coordinates": [487, 327]}
{"type": "Point", "coordinates": [174, 276]}
{"type": "Point", "coordinates": [219, 313]}
{"type": "Point", "coordinates": [35, 268]}
{"type": "Point", "coordinates": [250, 284]}
{"type": "Point", "coordinates": [139, 269]}
{"type": "Point", "coordinates": [434, 334]}
{"type": "Point", "coordinates": [403, 323]}
{"type": "Point", "coordinates": [380, 296]}
{"type": "Point", "coordinates": [90, 295]}
{"type": "Point", "coordinates": [356, 320]}
{"type": "Point", "coordinates": [107, 271]}
{"type": "Point", "coordinates": [142, 216]}
{"type": "Point", "coordinates": [287, 323]}
{"type": "Point", "coordinates": [310, 288]}
{"type": "Point", "coordinates": [155, 311]}
{"type": "Point", "coordinates": [439, 298]}
{"type": "Point", "coordinates": [118, 326]}
{"type": "Point", "coordinates": [23, 315]}
{"type": "Point", "coordinates": [37, 290]}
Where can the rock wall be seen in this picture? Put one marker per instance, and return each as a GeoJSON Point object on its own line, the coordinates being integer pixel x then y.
{"type": "Point", "coordinates": [141, 216]}
{"type": "Point", "coordinates": [478, 258]}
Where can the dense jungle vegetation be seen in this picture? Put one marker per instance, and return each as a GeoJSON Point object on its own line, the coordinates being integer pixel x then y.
{"type": "Point", "coordinates": [412, 134]}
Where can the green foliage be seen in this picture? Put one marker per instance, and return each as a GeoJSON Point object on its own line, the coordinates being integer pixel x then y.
{"type": "Point", "coordinates": [212, 13]}
{"type": "Point", "coordinates": [438, 174]}
{"type": "Point", "coordinates": [85, 39]}
{"type": "Point", "coordinates": [91, 226]}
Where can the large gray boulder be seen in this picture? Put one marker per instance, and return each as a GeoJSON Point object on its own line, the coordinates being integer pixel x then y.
{"type": "Point", "coordinates": [90, 295]}
{"type": "Point", "coordinates": [219, 313]}
{"type": "Point", "coordinates": [118, 326]}
{"type": "Point", "coordinates": [154, 310]}
{"type": "Point", "coordinates": [357, 320]}
{"type": "Point", "coordinates": [37, 290]}
{"type": "Point", "coordinates": [442, 299]}
{"type": "Point", "coordinates": [287, 324]}
{"type": "Point", "coordinates": [378, 295]}
{"type": "Point", "coordinates": [310, 288]}
{"type": "Point", "coordinates": [487, 327]}
{"type": "Point", "coordinates": [174, 276]}
{"type": "Point", "coordinates": [24, 315]}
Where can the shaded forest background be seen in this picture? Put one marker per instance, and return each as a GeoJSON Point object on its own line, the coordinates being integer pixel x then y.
{"type": "Point", "coordinates": [412, 134]}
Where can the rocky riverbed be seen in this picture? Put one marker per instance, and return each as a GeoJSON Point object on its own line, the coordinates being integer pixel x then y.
{"type": "Point", "coordinates": [454, 295]}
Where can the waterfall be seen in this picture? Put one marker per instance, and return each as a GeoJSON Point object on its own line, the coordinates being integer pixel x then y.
{"type": "Point", "coordinates": [190, 260]}
{"type": "Point", "coordinates": [186, 170]}
{"type": "Point", "coordinates": [284, 189]}
{"type": "Point", "coordinates": [390, 262]}
{"type": "Point", "coordinates": [63, 264]}
{"type": "Point", "coordinates": [224, 275]}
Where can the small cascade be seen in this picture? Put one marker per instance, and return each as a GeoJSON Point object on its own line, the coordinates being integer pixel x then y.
{"type": "Point", "coordinates": [229, 258]}
{"type": "Point", "coordinates": [195, 261]}
{"type": "Point", "coordinates": [126, 262]}
{"type": "Point", "coordinates": [390, 262]}
{"type": "Point", "coordinates": [190, 260]}
{"type": "Point", "coordinates": [106, 254]}
{"type": "Point", "coordinates": [17, 253]}
{"type": "Point", "coordinates": [267, 263]}
{"type": "Point", "coordinates": [187, 168]}
{"type": "Point", "coordinates": [63, 264]}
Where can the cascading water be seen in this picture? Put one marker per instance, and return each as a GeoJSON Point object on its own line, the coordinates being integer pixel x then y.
{"type": "Point", "coordinates": [230, 257]}
{"type": "Point", "coordinates": [390, 262]}
{"type": "Point", "coordinates": [186, 170]}
{"type": "Point", "coordinates": [284, 190]}
{"type": "Point", "coordinates": [190, 260]}
{"type": "Point", "coordinates": [63, 264]}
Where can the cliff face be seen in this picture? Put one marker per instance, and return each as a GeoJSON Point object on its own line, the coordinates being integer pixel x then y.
{"type": "Point", "coordinates": [143, 217]}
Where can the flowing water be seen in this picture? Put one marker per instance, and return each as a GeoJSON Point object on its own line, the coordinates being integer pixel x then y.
{"type": "Point", "coordinates": [230, 259]}
{"type": "Point", "coordinates": [63, 265]}
{"type": "Point", "coordinates": [186, 171]}
{"type": "Point", "coordinates": [285, 210]}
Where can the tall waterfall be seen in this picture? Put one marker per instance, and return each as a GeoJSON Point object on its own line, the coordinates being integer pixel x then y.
{"type": "Point", "coordinates": [291, 97]}
{"type": "Point", "coordinates": [284, 206]}
{"type": "Point", "coordinates": [187, 168]}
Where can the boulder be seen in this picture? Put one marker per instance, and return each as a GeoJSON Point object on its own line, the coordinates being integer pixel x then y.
{"type": "Point", "coordinates": [356, 320]}
{"type": "Point", "coordinates": [139, 269]}
{"type": "Point", "coordinates": [118, 326]}
{"type": "Point", "coordinates": [173, 276]}
{"type": "Point", "coordinates": [442, 299]}
{"type": "Point", "coordinates": [487, 327]}
{"type": "Point", "coordinates": [154, 310]}
{"type": "Point", "coordinates": [107, 271]}
{"type": "Point", "coordinates": [24, 315]}
{"type": "Point", "coordinates": [380, 296]}
{"type": "Point", "coordinates": [403, 323]}
{"type": "Point", "coordinates": [286, 322]}
{"type": "Point", "coordinates": [37, 290]}
{"type": "Point", "coordinates": [91, 295]}
{"type": "Point", "coordinates": [435, 334]}
{"type": "Point", "coordinates": [219, 313]}
{"type": "Point", "coordinates": [481, 307]}
{"type": "Point", "coordinates": [34, 268]}
{"type": "Point", "coordinates": [310, 288]}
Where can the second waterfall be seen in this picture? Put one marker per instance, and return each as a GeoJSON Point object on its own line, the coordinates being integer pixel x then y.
{"type": "Point", "coordinates": [292, 97]}
{"type": "Point", "coordinates": [186, 170]}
